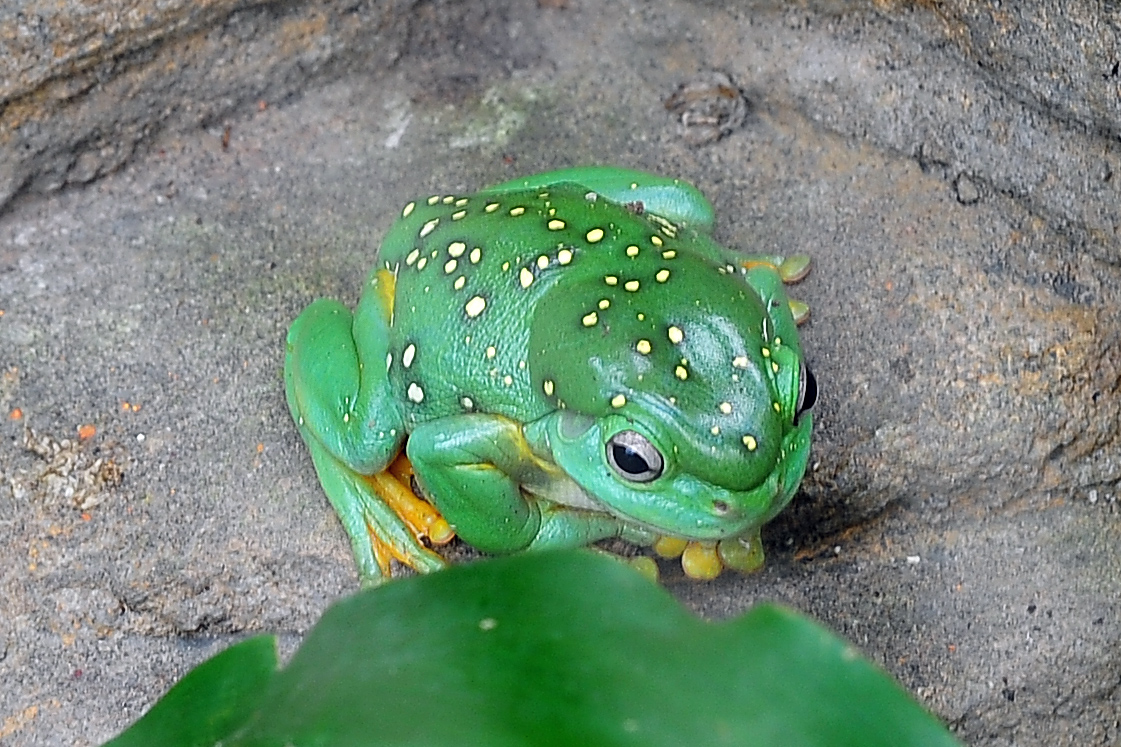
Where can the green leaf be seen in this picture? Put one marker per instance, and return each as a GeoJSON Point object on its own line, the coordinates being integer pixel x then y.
{"type": "Point", "coordinates": [213, 700]}
{"type": "Point", "coordinates": [566, 649]}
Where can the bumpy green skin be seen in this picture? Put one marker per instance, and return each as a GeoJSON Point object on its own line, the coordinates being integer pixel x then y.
{"type": "Point", "coordinates": [531, 323]}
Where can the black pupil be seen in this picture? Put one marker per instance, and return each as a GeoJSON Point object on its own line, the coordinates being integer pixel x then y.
{"type": "Point", "coordinates": [629, 460]}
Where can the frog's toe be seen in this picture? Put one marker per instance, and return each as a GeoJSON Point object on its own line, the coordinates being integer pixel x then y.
{"type": "Point", "coordinates": [799, 310]}
{"type": "Point", "coordinates": [670, 547]}
{"type": "Point", "coordinates": [422, 518]}
{"type": "Point", "coordinates": [744, 554]}
{"type": "Point", "coordinates": [793, 268]}
{"type": "Point", "coordinates": [701, 561]}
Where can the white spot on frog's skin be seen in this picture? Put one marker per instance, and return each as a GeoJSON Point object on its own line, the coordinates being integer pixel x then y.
{"type": "Point", "coordinates": [564, 256]}
{"type": "Point", "coordinates": [459, 215]}
{"type": "Point", "coordinates": [507, 379]}
{"type": "Point", "coordinates": [346, 417]}
{"type": "Point", "coordinates": [525, 277]}
{"type": "Point", "coordinates": [618, 401]}
{"type": "Point", "coordinates": [681, 373]}
{"type": "Point", "coordinates": [631, 285]}
{"type": "Point", "coordinates": [515, 212]}
{"type": "Point", "coordinates": [388, 361]}
{"type": "Point", "coordinates": [604, 303]}
{"type": "Point", "coordinates": [475, 306]}
{"type": "Point", "coordinates": [449, 266]}
{"type": "Point", "coordinates": [590, 196]}
{"type": "Point", "coordinates": [675, 335]}
{"type": "Point", "coordinates": [542, 262]}
{"type": "Point", "coordinates": [590, 319]}
{"type": "Point", "coordinates": [777, 406]}
{"type": "Point", "coordinates": [669, 254]}
{"type": "Point", "coordinates": [456, 249]}
{"type": "Point", "coordinates": [555, 225]}
{"type": "Point", "coordinates": [641, 317]}
{"type": "Point", "coordinates": [408, 210]}
{"type": "Point", "coordinates": [656, 240]}
{"type": "Point", "coordinates": [774, 367]}
{"type": "Point", "coordinates": [449, 199]}
{"type": "Point", "coordinates": [750, 443]}
{"type": "Point", "coordinates": [632, 251]}
{"type": "Point", "coordinates": [662, 276]}
{"type": "Point", "coordinates": [491, 207]}
{"type": "Point", "coordinates": [476, 255]}
{"type": "Point", "coordinates": [412, 256]}
{"type": "Point", "coordinates": [714, 430]}
{"type": "Point", "coordinates": [491, 352]}
{"type": "Point", "coordinates": [596, 234]}
{"type": "Point", "coordinates": [766, 353]}
{"type": "Point", "coordinates": [505, 266]}
{"type": "Point", "coordinates": [461, 202]}
{"type": "Point", "coordinates": [433, 199]}
{"type": "Point", "coordinates": [429, 227]}
{"type": "Point", "coordinates": [778, 341]}
{"type": "Point", "coordinates": [468, 403]}
{"type": "Point", "coordinates": [415, 393]}
{"type": "Point", "coordinates": [740, 361]}
{"type": "Point", "coordinates": [726, 408]}
{"type": "Point", "coordinates": [407, 356]}
{"type": "Point", "coordinates": [459, 282]}
{"type": "Point", "coordinates": [421, 263]}
{"type": "Point", "coordinates": [611, 280]}
{"type": "Point", "coordinates": [643, 346]}
{"type": "Point", "coordinates": [548, 387]}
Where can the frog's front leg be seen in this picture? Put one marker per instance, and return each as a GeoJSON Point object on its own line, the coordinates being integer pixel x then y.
{"type": "Point", "coordinates": [339, 396]}
{"type": "Point", "coordinates": [483, 476]}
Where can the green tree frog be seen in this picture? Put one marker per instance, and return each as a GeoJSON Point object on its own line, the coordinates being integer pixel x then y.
{"type": "Point", "coordinates": [563, 358]}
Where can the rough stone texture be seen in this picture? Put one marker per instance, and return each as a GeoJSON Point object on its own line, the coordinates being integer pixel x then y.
{"type": "Point", "coordinates": [949, 166]}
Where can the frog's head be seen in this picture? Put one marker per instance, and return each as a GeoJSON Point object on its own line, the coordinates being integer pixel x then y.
{"type": "Point", "coordinates": [677, 403]}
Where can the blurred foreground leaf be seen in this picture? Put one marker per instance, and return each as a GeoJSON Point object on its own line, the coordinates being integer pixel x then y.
{"type": "Point", "coordinates": [540, 649]}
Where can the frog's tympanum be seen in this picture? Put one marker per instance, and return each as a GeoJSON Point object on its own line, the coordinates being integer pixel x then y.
{"type": "Point", "coordinates": [564, 358]}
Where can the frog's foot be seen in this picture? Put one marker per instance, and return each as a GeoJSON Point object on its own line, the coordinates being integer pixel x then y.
{"type": "Point", "coordinates": [790, 270]}
{"type": "Point", "coordinates": [383, 518]}
{"type": "Point", "coordinates": [705, 560]}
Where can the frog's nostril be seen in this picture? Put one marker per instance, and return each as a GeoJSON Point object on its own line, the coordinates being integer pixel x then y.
{"type": "Point", "coordinates": [719, 508]}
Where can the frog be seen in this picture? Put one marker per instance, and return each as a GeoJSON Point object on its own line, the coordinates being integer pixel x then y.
{"type": "Point", "coordinates": [552, 362]}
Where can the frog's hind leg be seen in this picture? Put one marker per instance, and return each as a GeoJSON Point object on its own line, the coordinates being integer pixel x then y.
{"type": "Point", "coordinates": [339, 396]}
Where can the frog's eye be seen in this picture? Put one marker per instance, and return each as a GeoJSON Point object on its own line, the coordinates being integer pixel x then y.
{"type": "Point", "coordinates": [634, 457]}
{"type": "Point", "coordinates": [807, 391]}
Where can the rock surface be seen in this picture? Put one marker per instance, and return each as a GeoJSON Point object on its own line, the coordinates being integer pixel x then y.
{"type": "Point", "coordinates": [181, 179]}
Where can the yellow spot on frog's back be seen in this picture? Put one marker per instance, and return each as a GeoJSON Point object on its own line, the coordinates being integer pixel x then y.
{"type": "Point", "coordinates": [740, 361]}
{"type": "Point", "coordinates": [618, 401]}
{"type": "Point", "coordinates": [631, 285]}
{"type": "Point", "coordinates": [726, 408]}
{"type": "Point", "coordinates": [714, 430]}
{"type": "Point", "coordinates": [429, 227]}
{"type": "Point", "coordinates": [564, 256]}
{"type": "Point", "coordinates": [632, 251]}
{"type": "Point", "coordinates": [449, 199]}
{"type": "Point", "coordinates": [433, 199]}
{"type": "Point", "coordinates": [656, 240]}
{"type": "Point", "coordinates": [777, 406]}
{"type": "Point", "coordinates": [643, 346]}
{"type": "Point", "coordinates": [604, 303]}
{"type": "Point", "coordinates": [515, 212]}
{"type": "Point", "coordinates": [662, 276]}
{"type": "Point", "coordinates": [491, 207]}
{"type": "Point", "coordinates": [415, 393]}
{"type": "Point", "coordinates": [491, 351]}
{"type": "Point", "coordinates": [476, 255]}
{"type": "Point", "coordinates": [456, 248]}
{"type": "Point", "coordinates": [675, 335]}
{"type": "Point", "coordinates": [548, 387]}
{"type": "Point", "coordinates": [542, 262]}
{"type": "Point", "coordinates": [420, 264]}
{"type": "Point", "coordinates": [681, 372]}
{"type": "Point", "coordinates": [475, 306]}
{"type": "Point", "coordinates": [669, 254]}
{"type": "Point", "coordinates": [460, 282]}
{"type": "Point", "coordinates": [750, 443]}
{"type": "Point", "coordinates": [590, 319]}
{"type": "Point", "coordinates": [461, 202]}
{"type": "Point", "coordinates": [459, 215]}
{"type": "Point", "coordinates": [412, 256]}
{"type": "Point", "coordinates": [449, 266]}
{"type": "Point", "coordinates": [525, 277]}
{"type": "Point", "coordinates": [611, 280]}
{"type": "Point", "coordinates": [408, 210]}
{"type": "Point", "coordinates": [596, 234]}
{"type": "Point", "coordinates": [555, 225]}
